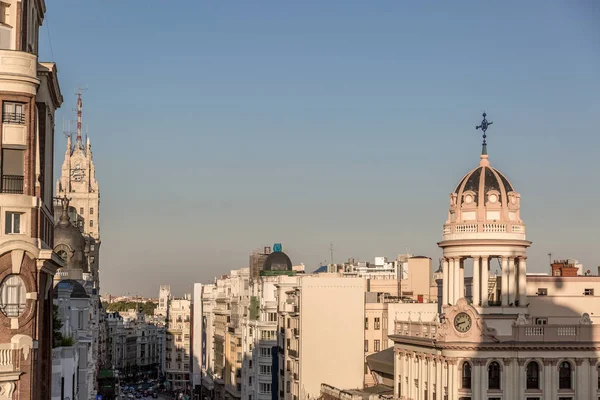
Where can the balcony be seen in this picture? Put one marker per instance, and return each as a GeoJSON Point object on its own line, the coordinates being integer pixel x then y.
{"type": "Point", "coordinates": [13, 118]}
{"type": "Point", "coordinates": [18, 68]}
{"type": "Point", "coordinates": [416, 329]}
{"type": "Point", "coordinates": [453, 231]}
{"type": "Point", "coordinates": [12, 184]}
{"type": "Point", "coordinates": [557, 333]}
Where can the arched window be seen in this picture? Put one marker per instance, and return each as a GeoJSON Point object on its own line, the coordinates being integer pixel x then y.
{"type": "Point", "coordinates": [12, 296]}
{"type": "Point", "coordinates": [494, 375]}
{"type": "Point", "coordinates": [564, 375]}
{"type": "Point", "coordinates": [533, 375]}
{"type": "Point", "coordinates": [466, 375]}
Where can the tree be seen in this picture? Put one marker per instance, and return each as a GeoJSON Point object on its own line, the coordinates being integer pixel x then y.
{"type": "Point", "coordinates": [57, 337]}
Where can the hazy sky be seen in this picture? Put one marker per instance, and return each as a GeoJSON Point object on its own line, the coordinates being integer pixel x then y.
{"type": "Point", "coordinates": [223, 126]}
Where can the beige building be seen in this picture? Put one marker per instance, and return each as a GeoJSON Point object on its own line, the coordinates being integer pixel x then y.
{"type": "Point", "coordinates": [522, 337]}
{"type": "Point", "coordinates": [323, 322]}
{"type": "Point", "coordinates": [178, 342]}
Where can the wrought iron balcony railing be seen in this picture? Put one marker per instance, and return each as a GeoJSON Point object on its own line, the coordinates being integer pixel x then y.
{"type": "Point", "coordinates": [12, 184]}
{"type": "Point", "coordinates": [13, 118]}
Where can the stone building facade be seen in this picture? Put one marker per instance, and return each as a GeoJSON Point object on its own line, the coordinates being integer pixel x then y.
{"type": "Point", "coordinates": [30, 95]}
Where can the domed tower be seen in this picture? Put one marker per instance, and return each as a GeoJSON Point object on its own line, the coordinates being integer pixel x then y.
{"type": "Point", "coordinates": [70, 245]}
{"type": "Point", "coordinates": [484, 223]}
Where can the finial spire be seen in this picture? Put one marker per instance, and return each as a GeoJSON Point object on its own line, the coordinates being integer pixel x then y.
{"type": "Point", "coordinates": [484, 126]}
{"type": "Point", "coordinates": [64, 217]}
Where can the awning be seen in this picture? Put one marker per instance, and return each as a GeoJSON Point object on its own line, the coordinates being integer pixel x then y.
{"type": "Point", "coordinates": [382, 361]}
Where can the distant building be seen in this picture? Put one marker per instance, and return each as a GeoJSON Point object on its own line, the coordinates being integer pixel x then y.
{"type": "Point", "coordinates": [178, 343]}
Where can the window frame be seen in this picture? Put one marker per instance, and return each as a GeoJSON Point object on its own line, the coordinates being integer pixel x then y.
{"type": "Point", "coordinates": [9, 223]}
{"type": "Point", "coordinates": [466, 373]}
{"type": "Point", "coordinates": [563, 379]}
{"type": "Point", "coordinates": [494, 382]}
{"type": "Point", "coordinates": [15, 116]}
{"type": "Point", "coordinates": [532, 382]}
{"type": "Point", "coordinates": [9, 291]}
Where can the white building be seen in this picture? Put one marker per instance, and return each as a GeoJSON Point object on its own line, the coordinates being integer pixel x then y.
{"type": "Point", "coordinates": [178, 343]}
{"type": "Point", "coordinates": [72, 368]}
{"type": "Point", "coordinates": [530, 337]}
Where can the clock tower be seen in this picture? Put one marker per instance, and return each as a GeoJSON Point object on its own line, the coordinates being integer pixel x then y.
{"type": "Point", "coordinates": [78, 183]}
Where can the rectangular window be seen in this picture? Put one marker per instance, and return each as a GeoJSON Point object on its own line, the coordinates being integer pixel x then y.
{"type": "Point", "coordinates": [377, 324]}
{"type": "Point", "coordinates": [272, 317]}
{"type": "Point", "coordinates": [264, 388]}
{"type": "Point", "coordinates": [13, 113]}
{"type": "Point", "coordinates": [542, 292]}
{"type": "Point", "coordinates": [366, 323]}
{"type": "Point", "coordinates": [91, 210]}
{"type": "Point", "coordinates": [376, 345]}
{"type": "Point", "coordinates": [80, 320]}
{"type": "Point", "coordinates": [265, 352]}
{"type": "Point", "coordinates": [288, 386]}
{"type": "Point", "coordinates": [265, 369]}
{"type": "Point", "coordinates": [366, 345]}
{"type": "Point", "coordinates": [249, 381]}
{"type": "Point", "coordinates": [80, 210]}
{"type": "Point", "coordinates": [92, 247]}
{"type": "Point", "coordinates": [250, 364]}
{"type": "Point", "coordinates": [91, 222]}
{"type": "Point", "coordinates": [13, 169]}
{"type": "Point", "coordinates": [12, 223]}
{"type": "Point", "coordinates": [588, 292]}
{"type": "Point", "coordinates": [541, 321]}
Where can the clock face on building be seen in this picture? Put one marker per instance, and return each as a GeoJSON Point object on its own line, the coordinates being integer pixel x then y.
{"type": "Point", "coordinates": [462, 322]}
{"type": "Point", "coordinates": [77, 174]}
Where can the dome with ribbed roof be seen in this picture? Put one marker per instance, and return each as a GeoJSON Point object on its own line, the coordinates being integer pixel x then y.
{"type": "Point", "coordinates": [484, 201]}
{"type": "Point", "coordinates": [481, 181]}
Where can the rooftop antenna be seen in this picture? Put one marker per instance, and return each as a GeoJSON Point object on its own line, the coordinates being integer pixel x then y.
{"type": "Point", "coordinates": [484, 126]}
{"type": "Point", "coordinates": [550, 258]}
{"type": "Point", "coordinates": [79, 108]}
{"type": "Point", "coordinates": [67, 132]}
{"type": "Point", "coordinates": [331, 251]}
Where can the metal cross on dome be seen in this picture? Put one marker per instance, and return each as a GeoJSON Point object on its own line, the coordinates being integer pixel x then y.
{"type": "Point", "coordinates": [484, 126]}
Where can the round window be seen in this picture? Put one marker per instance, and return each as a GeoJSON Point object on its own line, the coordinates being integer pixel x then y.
{"type": "Point", "coordinates": [62, 254]}
{"type": "Point", "coordinates": [12, 296]}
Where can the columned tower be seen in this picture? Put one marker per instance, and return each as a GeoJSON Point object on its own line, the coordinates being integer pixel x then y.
{"type": "Point", "coordinates": [484, 224]}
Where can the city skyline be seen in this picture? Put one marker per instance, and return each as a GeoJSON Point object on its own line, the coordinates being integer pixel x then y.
{"type": "Point", "coordinates": [310, 125]}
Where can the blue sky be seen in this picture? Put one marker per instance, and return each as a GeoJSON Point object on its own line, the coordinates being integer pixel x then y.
{"type": "Point", "coordinates": [220, 127]}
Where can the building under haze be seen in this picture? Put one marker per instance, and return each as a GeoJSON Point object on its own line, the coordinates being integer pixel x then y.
{"type": "Point", "coordinates": [30, 95]}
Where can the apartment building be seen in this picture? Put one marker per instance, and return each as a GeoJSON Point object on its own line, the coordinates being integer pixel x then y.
{"type": "Point", "coordinates": [178, 343]}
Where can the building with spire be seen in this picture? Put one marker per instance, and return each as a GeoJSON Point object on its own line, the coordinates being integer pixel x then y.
{"type": "Point", "coordinates": [78, 238]}
{"type": "Point", "coordinates": [30, 95]}
{"type": "Point", "coordinates": [78, 182]}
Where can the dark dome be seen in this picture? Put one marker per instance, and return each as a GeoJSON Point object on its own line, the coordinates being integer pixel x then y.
{"type": "Point", "coordinates": [69, 235]}
{"type": "Point", "coordinates": [277, 261]}
{"type": "Point", "coordinates": [76, 288]}
{"type": "Point", "coordinates": [492, 180]}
